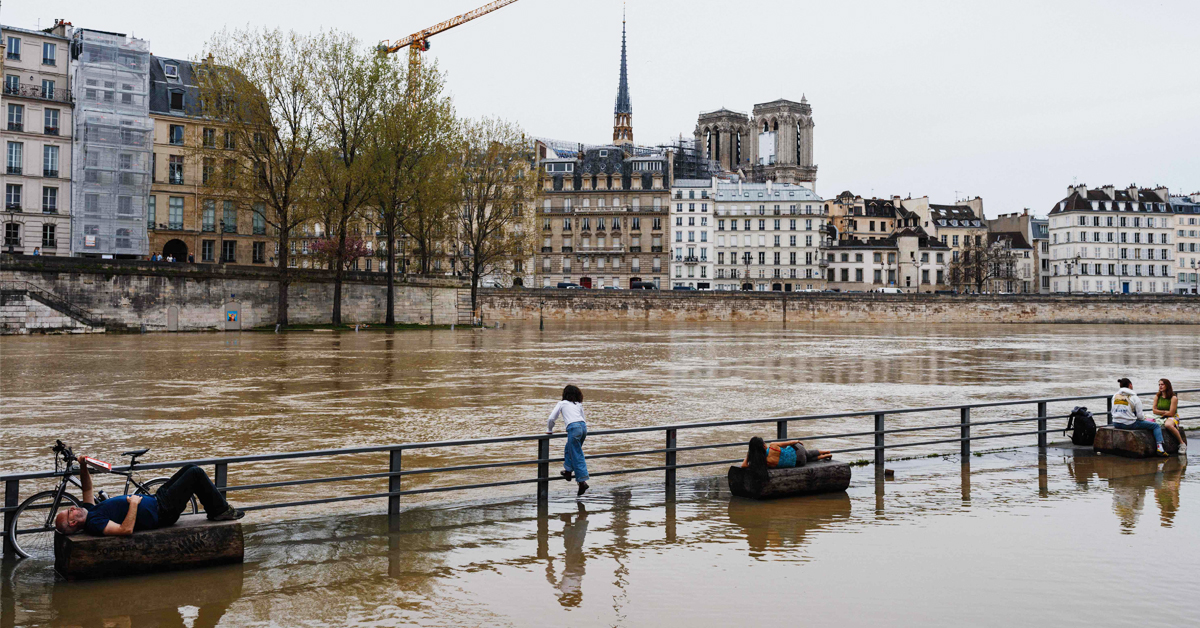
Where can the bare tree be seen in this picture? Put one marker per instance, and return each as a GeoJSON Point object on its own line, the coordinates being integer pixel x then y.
{"type": "Point", "coordinates": [978, 264]}
{"type": "Point", "coordinates": [410, 148]}
{"type": "Point", "coordinates": [495, 222]}
{"type": "Point", "coordinates": [348, 90]}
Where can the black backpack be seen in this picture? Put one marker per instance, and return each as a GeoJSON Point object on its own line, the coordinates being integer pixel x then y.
{"type": "Point", "coordinates": [1083, 426]}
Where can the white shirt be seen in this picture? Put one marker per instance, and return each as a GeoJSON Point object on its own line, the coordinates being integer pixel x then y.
{"type": "Point", "coordinates": [570, 411]}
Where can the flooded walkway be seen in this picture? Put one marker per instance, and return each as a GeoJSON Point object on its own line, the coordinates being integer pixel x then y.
{"type": "Point", "coordinates": [1057, 540]}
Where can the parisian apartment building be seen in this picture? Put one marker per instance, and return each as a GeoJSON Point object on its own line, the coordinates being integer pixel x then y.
{"type": "Point", "coordinates": [37, 139]}
{"type": "Point", "coordinates": [1187, 232]}
{"type": "Point", "coordinates": [768, 236]}
{"type": "Point", "coordinates": [1110, 240]}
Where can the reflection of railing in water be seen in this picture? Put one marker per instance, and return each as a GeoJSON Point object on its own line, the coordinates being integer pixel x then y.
{"type": "Point", "coordinates": [670, 452]}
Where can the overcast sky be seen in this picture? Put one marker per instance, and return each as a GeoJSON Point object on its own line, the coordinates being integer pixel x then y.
{"type": "Point", "coordinates": [1012, 101]}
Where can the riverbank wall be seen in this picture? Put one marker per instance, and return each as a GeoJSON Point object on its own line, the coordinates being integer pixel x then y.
{"type": "Point", "coordinates": [832, 307]}
{"type": "Point", "coordinates": [152, 296]}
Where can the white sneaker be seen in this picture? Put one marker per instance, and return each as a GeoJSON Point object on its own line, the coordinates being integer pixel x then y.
{"type": "Point", "coordinates": [1183, 449]}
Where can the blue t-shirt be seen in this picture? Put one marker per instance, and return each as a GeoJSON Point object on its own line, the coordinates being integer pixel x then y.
{"type": "Point", "coordinates": [115, 508]}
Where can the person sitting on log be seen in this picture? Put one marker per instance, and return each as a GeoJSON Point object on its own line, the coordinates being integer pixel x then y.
{"type": "Point", "coordinates": [144, 512]}
{"type": "Point", "coordinates": [781, 455]}
{"type": "Point", "coordinates": [1166, 408]}
{"type": "Point", "coordinates": [1127, 413]}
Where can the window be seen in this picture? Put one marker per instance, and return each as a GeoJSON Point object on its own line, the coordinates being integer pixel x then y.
{"type": "Point", "coordinates": [259, 253]}
{"type": "Point", "coordinates": [151, 210]}
{"type": "Point", "coordinates": [50, 122]}
{"type": "Point", "coordinates": [49, 54]}
{"type": "Point", "coordinates": [229, 217]}
{"type": "Point", "coordinates": [229, 251]}
{"type": "Point", "coordinates": [208, 216]}
{"type": "Point", "coordinates": [209, 137]}
{"type": "Point", "coordinates": [49, 236]}
{"type": "Point", "coordinates": [175, 169]}
{"type": "Point", "coordinates": [125, 206]}
{"type": "Point", "coordinates": [14, 48]}
{"type": "Point", "coordinates": [49, 200]}
{"type": "Point", "coordinates": [259, 219]}
{"type": "Point", "coordinates": [16, 117]}
{"type": "Point", "coordinates": [175, 135]}
{"type": "Point", "coordinates": [176, 101]}
{"type": "Point", "coordinates": [16, 157]}
{"type": "Point", "coordinates": [206, 170]}
{"type": "Point", "coordinates": [206, 250]}
{"type": "Point", "coordinates": [175, 212]}
{"type": "Point", "coordinates": [229, 145]}
{"type": "Point", "coordinates": [50, 162]}
{"type": "Point", "coordinates": [124, 238]}
{"type": "Point", "coordinates": [12, 234]}
{"type": "Point", "coordinates": [12, 196]}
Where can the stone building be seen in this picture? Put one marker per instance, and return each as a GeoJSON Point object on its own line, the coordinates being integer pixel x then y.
{"type": "Point", "coordinates": [1013, 264]}
{"type": "Point", "coordinates": [182, 222]}
{"type": "Point", "coordinates": [774, 143]}
{"type": "Point", "coordinates": [603, 216]}
{"type": "Point", "coordinates": [1112, 240]}
{"type": "Point", "coordinates": [768, 236]}
{"type": "Point", "coordinates": [868, 219]}
{"type": "Point", "coordinates": [909, 260]}
{"type": "Point", "coordinates": [1187, 233]}
{"type": "Point", "coordinates": [1035, 233]}
{"type": "Point", "coordinates": [37, 138]}
{"type": "Point", "coordinates": [690, 230]}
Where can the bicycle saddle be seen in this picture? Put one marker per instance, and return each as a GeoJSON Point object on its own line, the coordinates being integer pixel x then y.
{"type": "Point", "coordinates": [135, 453]}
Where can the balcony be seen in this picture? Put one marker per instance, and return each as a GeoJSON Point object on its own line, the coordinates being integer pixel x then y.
{"type": "Point", "coordinates": [228, 228]}
{"type": "Point", "coordinates": [175, 179]}
{"type": "Point", "coordinates": [175, 226]}
{"type": "Point", "coordinates": [49, 210]}
{"type": "Point", "coordinates": [51, 130]}
{"type": "Point", "coordinates": [35, 91]}
{"type": "Point", "coordinates": [14, 169]}
{"type": "Point", "coordinates": [547, 249]}
{"type": "Point", "coordinates": [656, 249]}
{"type": "Point", "coordinates": [635, 249]}
{"type": "Point", "coordinates": [568, 249]}
{"type": "Point", "coordinates": [13, 207]}
{"type": "Point", "coordinates": [688, 259]}
{"type": "Point", "coordinates": [16, 126]}
{"type": "Point", "coordinates": [50, 174]}
{"type": "Point", "coordinates": [612, 248]}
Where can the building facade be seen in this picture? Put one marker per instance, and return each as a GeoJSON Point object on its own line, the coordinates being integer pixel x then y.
{"type": "Point", "coordinates": [37, 139]}
{"type": "Point", "coordinates": [1112, 240]}
{"type": "Point", "coordinates": [112, 144]}
{"type": "Point", "coordinates": [768, 236]}
{"type": "Point", "coordinates": [908, 260]}
{"type": "Point", "coordinates": [603, 217]}
{"type": "Point", "coordinates": [1012, 262]}
{"type": "Point", "coordinates": [774, 143]}
{"type": "Point", "coordinates": [1036, 235]}
{"type": "Point", "coordinates": [690, 230]}
{"type": "Point", "coordinates": [1187, 233]}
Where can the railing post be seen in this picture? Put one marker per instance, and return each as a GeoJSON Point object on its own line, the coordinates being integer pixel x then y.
{"type": "Point", "coordinates": [1108, 402]}
{"type": "Point", "coordinates": [671, 444]}
{"type": "Point", "coordinates": [1041, 425]}
{"type": "Point", "coordinates": [12, 493]}
{"type": "Point", "coordinates": [221, 475]}
{"type": "Point", "coordinates": [781, 430]}
{"type": "Point", "coordinates": [395, 464]}
{"type": "Point", "coordinates": [543, 491]}
{"type": "Point", "coordinates": [879, 445]}
{"type": "Point", "coordinates": [964, 433]}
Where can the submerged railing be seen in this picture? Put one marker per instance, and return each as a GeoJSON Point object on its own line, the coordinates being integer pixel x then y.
{"type": "Point", "coordinates": [670, 450]}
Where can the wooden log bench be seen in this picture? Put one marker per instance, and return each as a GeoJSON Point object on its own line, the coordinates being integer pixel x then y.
{"type": "Point", "coordinates": [822, 476]}
{"type": "Point", "coordinates": [1132, 443]}
{"type": "Point", "coordinates": [191, 543]}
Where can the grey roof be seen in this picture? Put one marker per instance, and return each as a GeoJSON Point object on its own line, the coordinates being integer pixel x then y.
{"type": "Point", "coordinates": [161, 87]}
{"type": "Point", "coordinates": [692, 183]}
{"type": "Point", "coordinates": [953, 216]}
{"type": "Point", "coordinates": [18, 29]}
{"type": "Point", "coordinates": [624, 102]}
{"type": "Point", "coordinates": [749, 192]}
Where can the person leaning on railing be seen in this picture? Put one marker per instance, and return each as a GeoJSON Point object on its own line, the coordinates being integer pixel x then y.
{"type": "Point", "coordinates": [1166, 408]}
{"type": "Point", "coordinates": [1127, 413]}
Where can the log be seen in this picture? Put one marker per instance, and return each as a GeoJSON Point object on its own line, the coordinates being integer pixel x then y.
{"type": "Point", "coordinates": [1132, 443]}
{"type": "Point", "coordinates": [191, 543]}
{"type": "Point", "coordinates": [822, 476]}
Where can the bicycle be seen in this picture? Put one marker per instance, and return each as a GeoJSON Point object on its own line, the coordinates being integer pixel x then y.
{"type": "Point", "coordinates": [32, 533]}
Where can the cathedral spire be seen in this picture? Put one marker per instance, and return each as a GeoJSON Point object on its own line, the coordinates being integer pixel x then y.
{"type": "Point", "coordinates": [623, 111]}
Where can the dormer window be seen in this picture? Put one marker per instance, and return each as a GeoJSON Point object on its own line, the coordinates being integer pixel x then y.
{"type": "Point", "coordinates": [176, 101]}
{"type": "Point", "coordinates": [171, 70]}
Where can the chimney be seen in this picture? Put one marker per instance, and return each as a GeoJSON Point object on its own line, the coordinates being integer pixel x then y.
{"type": "Point", "coordinates": [768, 187]}
{"type": "Point", "coordinates": [1133, 192]}
{"type": "Point", "coordinates": [1110, 192]}
{"type": "Point", "coordinates": [1163, 193]}
{"type": "Point", "coordinates": [1080, 189]}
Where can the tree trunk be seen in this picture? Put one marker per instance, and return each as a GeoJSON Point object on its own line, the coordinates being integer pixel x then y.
{"type": "Point", "coordinates": [389, 225]}
{"type": "Point", "coordinates": [281, 314]}
{"type": "Point", "coordinates": [340, 264]}
{"type": "Point", "coordinates": [474, 293]}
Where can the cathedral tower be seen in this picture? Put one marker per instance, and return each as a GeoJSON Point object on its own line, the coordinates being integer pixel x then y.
{"type": "Point", "coordinates": [623, 111]}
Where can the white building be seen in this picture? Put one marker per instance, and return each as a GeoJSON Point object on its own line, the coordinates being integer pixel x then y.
{"type": "Point", "coordinates": [768, 236]}
{"type": "Point", "coordinates": [1187, 233]}
{"type": "Point", "coordinates": [690, 230]}
{"type": "Point", "coordinates": [1114, 241]}
{"type": "Point", "coordinates": [37, 142]}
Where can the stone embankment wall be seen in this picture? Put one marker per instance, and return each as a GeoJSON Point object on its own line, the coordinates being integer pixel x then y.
{"type": "Point", "coordinates": [653, 305]}
{"type": "Point", "coordinates": [193, 297]}
{"type": "Point", "coordinates": [20, 314]}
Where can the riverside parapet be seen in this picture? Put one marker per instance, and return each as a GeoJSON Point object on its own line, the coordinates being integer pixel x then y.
{"type": "Point", "coordinates": [833, 307]}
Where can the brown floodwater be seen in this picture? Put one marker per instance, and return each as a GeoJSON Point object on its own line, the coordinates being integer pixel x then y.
{"type": "Point", "coordinates": [1014, 538]}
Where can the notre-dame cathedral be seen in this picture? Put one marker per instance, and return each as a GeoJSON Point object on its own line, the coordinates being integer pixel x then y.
{"type": "Point", "coordinates": [773, 143]}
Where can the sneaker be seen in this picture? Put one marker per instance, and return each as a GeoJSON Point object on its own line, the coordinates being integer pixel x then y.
{"type": "Point", "coordinates": [583, 487]}
{"type": "Point", "coordinates": [1161, 451]}
{"type": "Point", "coordinates": [567, 475]}
{"type": "Point", "coordinates": [1183, 449]}
{"type": "Point", "coordinates": [232, 514]}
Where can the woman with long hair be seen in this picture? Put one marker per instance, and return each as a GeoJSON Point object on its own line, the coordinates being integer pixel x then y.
{"type": "Point", "coordinates": [781, 455]}
{"type": "Point", "coordinates": [1166, 409]}
{"type": "Point", "coordinates": [571, 411]}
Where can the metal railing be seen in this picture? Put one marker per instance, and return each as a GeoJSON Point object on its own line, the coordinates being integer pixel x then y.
{"type": "Point", "coordinates": [51, 300]}
{"type": "Point", "coordinates": [395, 470]}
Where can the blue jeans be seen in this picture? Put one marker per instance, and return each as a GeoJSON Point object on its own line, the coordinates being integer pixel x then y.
{"type": "Point", "coordinates": [573, 456]}
{"type": "Point", "coordinates": [1143, 425]}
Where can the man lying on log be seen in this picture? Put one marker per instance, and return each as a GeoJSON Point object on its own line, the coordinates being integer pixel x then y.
{"type": "Point", "coordinates": [781, 455]}
{"type": "Point", "coordinates": [143, 512]}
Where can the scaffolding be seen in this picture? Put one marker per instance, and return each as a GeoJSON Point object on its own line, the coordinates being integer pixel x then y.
{"type": "Point", "coordinates": [113, 144]}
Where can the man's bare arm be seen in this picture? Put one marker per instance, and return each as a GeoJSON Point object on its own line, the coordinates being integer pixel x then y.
{"type": "Point", "coordinates": [126, 527]}
{"type": "Point", "coordinates": [85, 481]}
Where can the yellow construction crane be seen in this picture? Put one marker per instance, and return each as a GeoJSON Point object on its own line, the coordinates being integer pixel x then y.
{"type": "Point", "coordinates": [418, 42]}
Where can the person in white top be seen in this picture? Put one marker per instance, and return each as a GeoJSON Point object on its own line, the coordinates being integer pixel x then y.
{"type": "Point", "coordinates": [571, 411]}
{"type": "Point", "coordinates": [1127, 413]}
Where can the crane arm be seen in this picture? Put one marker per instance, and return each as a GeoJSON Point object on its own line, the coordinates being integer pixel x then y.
{"type": "Point", "coordinates": [389, 47]}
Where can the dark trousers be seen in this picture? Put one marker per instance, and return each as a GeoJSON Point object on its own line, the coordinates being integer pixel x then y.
{"type": "Point", "coordinates": [174, 496]}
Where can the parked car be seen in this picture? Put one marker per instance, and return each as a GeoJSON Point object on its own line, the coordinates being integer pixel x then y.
{"type": "Point", "coordinates": [889, 291]}
{"type": "Point", "coordinates": [569, 286]}
{"type": "Point", "coordinates": [642, 285]}
{"type": "Point", "coordinates": [684, 288]}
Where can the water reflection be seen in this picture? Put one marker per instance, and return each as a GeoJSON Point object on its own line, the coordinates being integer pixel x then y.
{"type": "Point", "coordinates": [1129, 479]}
{"type": "Point", "coordinates": [570, 582]}
{"type": "Point", "coordinates": [783, 524]}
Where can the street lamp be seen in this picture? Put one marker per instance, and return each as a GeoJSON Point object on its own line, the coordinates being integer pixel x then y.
{"type": "Point", "coordinates": [1071, 265]}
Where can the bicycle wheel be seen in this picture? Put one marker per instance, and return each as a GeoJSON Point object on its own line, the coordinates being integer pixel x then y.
{"type": "Point", "coordinates": [150, 487]}
{"type": "Point", "coordinates": [32, 527]}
